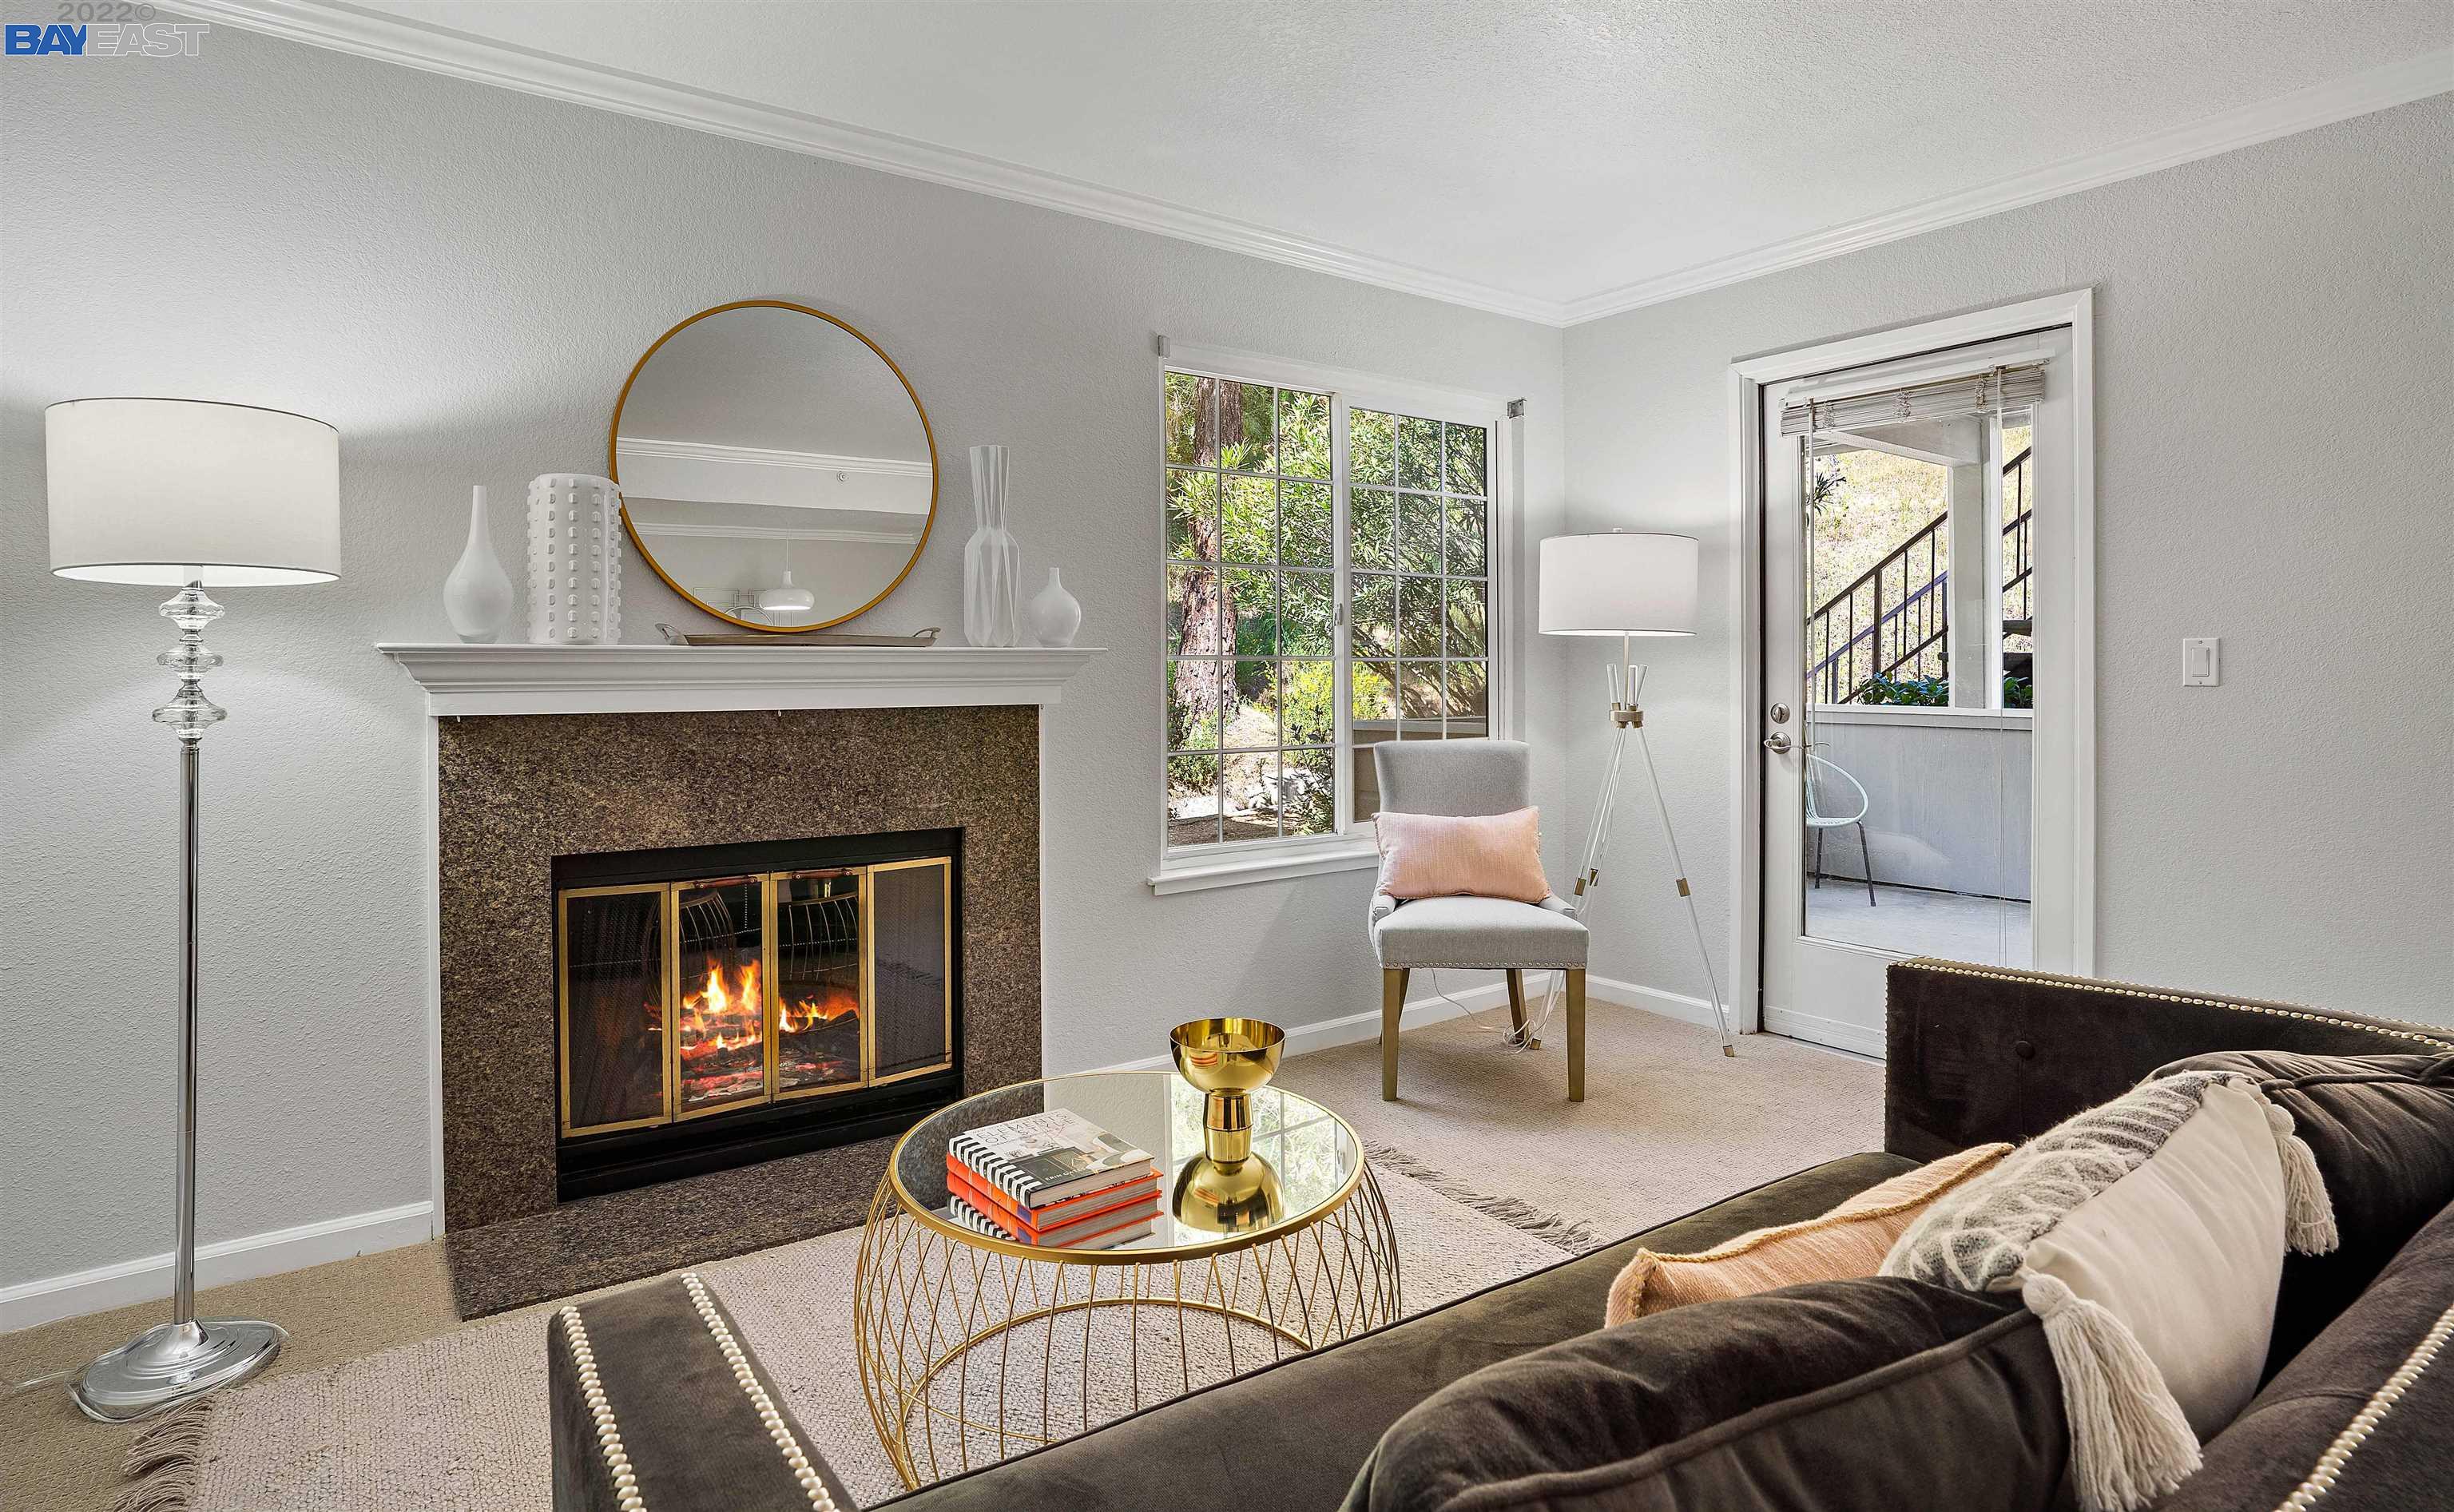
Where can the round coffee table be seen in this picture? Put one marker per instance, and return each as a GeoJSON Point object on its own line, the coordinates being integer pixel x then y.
{"type": "Point", "coordinates": [973, 1347]}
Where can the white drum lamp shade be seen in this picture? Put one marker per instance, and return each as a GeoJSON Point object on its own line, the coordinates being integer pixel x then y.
{"type": "Point", "coordinates": [174, 491]}
{"type": "Point", "coordinates": [1619, 583]}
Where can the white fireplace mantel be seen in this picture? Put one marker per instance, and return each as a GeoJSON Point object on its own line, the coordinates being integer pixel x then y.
{"type": "Point", "coordinates": [463, 680]}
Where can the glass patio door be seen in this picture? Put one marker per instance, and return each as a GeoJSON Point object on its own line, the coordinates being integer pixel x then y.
{"type": "Point", "coordinates": [1901, 639]}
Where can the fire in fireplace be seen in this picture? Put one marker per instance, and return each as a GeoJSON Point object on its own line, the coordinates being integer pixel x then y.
{"type": "Point", "coordinates": [735, 998]}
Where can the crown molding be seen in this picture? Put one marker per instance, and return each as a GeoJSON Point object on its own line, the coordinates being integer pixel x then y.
{"type": "Point", "coordinates": [641, 446]}
{"type": "Point", "coordinates": [439, 49]}
{"type": "Point", "coordinates": [2303, 110]}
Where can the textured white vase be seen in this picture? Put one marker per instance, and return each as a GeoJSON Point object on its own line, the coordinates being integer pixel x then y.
{"type": "Point", "coordinates": [1056, 614]}
{"type": "Point", "coordinates": [991, 562]}
{"type": "Point", "coordinates": [574, 560]}
{"type": "Point", "coordinates": [478, 595]}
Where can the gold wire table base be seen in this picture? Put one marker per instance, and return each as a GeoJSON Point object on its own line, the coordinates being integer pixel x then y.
{"type": "Point", "coordinates": [969, 1352]}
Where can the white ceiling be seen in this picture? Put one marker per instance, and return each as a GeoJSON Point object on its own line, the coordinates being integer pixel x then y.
{"type": "Point", "coordinates": [1558, 161]}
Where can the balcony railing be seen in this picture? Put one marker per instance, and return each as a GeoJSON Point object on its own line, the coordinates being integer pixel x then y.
{"type": "Point", "coordinates": [1894, 619]}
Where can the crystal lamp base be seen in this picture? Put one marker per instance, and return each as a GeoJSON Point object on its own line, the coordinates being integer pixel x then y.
{"type": "Point", "coordinates": [172, 1363]}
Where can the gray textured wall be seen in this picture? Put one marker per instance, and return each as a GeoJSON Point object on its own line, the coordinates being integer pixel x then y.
{"type": "Point", "coordinates": [2275, 328]}
{"type": "Point", "coordinates": [460, 278]}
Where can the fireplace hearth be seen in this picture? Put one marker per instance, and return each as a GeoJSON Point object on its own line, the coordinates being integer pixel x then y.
{"type": "Point", "coordinates": [716, 1005]}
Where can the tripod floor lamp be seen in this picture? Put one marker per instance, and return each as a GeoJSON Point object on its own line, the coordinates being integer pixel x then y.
{"type": "Point", "coordinates": [1627, 583]}
{"type": "Point", "coordinates": [188, 495]}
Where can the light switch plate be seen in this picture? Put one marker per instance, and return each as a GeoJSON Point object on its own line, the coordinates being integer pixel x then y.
{"type": "Point", "coordinates": [2202, 662]}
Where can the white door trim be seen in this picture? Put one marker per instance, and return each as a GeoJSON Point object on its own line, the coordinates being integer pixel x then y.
{"type": "Point", "coordinates": [2066, 807]}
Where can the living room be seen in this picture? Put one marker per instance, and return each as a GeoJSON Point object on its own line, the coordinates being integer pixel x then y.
{"type": "Point", "coordinates": [1483, 662]}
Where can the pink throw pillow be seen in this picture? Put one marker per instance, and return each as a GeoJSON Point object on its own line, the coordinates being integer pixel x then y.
{"type": "Point", "coordinates": [1437, 856]}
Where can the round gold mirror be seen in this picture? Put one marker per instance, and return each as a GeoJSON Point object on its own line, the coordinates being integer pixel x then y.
{"type": "Point", "coordinates": [777, 467]}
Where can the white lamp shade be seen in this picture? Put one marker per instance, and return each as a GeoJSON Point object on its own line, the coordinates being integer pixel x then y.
{"type": "Point", "coordinates": [159, 490]}
{"type": "Point", "coordinates": [1620, 583]}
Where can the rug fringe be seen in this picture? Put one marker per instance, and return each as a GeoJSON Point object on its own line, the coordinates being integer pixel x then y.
{"type": "Point", "coordinates": [1573, 1235]}
{"type": "Point", "coordinates": [164, 1462]}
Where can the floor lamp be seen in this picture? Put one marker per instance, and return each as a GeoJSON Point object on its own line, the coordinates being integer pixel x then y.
{"type": "Point", "coordinates": [184, 494]}
{"type": "Point", "coordinates": [1627, 583]}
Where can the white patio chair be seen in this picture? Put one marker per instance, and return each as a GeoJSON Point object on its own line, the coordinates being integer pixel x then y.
{"type": "Point", "coordinates": [1818, 820]}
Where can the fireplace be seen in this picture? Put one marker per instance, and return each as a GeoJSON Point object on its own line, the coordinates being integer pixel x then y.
{"type": "Point", "coordinates": [716, 1005]}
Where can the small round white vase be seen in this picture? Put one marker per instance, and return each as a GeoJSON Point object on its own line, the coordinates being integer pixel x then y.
{"type": "Point", "coordinates": [1056, 614]}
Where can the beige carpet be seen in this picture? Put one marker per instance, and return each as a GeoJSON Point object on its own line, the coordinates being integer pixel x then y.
{"type": "Point", "coordinates": [1669, 1125]}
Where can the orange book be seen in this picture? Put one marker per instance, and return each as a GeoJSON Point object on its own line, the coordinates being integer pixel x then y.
{"type": "Point", "coordinates": [1139, 1207]}
{"type": "Point", "coordinates": [1000, 1203]}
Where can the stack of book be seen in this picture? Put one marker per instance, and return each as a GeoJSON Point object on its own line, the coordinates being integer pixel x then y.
{"type": "Point", "coordinates": [1054, 1178]}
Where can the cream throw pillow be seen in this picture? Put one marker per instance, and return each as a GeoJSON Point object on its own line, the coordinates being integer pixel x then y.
{"type": "Point", "coordinates": [2148, 1236]}
{"type": "Point", "coordinates": [1848, 1242]}
{"type": "Point", "coordinates": [1485, 855]}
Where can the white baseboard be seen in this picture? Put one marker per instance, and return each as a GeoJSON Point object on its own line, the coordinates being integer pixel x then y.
{"type": "Point", "coordinates": [147, 1278]}
{"type": "Point", "coordinates": [1356, 1028]}
{"type": "Point", "coordinates": [1832, 1032]}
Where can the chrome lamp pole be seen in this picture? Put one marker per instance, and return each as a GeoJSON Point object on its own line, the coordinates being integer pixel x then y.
{"type": "Point", "coordinates": [228, 494]}
{"type": "Point", "coordinates": [1627, 583]}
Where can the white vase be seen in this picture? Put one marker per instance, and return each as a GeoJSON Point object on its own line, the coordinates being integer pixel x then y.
{"type": "Point", "coordinates": [574, 560]}
{"type": "Point", "coordinates": [478, 595]}
{"type": "Point", "coordinates": [991, 562]}
{"type": "Point", "coordinates": [1056, 614]}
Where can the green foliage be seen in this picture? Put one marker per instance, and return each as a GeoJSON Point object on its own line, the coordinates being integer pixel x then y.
{"type": "Point", "coordinates": [1927, 693]}
{"type": "Point", "coordinates": [1935, 692]}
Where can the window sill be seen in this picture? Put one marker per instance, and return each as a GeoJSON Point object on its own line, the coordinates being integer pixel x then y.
{"type": "Point", "coordinates": [1193, 876]}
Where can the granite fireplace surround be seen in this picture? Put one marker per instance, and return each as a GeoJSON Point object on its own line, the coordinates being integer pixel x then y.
{"type": "Point", "coordinates": [515, 791]}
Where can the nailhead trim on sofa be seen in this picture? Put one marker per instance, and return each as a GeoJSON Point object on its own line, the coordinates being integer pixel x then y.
{"type": "Point", "coordinates": [2408, 1029]}
{"type": "Point", "coordinates": [2330, 1464]}
{"type": "Point", "coordinates": [609, 1435]}
{"type": "Point", "coordinates": [777, 1429]}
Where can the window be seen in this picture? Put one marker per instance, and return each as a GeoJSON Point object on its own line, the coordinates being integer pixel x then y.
{"type": "Point", "coordinates": [1285, 505]}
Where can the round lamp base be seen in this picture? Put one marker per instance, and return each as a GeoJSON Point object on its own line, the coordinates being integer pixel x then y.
{"type": "Point", "coordinates": [172, 1363]}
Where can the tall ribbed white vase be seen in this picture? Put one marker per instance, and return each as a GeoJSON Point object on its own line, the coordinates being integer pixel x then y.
{"type": "Point", "coordinates": [574, 560]}
{"type": "Point", "coordinates": [991, 562]}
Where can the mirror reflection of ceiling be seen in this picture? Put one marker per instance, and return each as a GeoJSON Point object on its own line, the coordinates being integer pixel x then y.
{"type": "Point", "coordinates": [775, 467]}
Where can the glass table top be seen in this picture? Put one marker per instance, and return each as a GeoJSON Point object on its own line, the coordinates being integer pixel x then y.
{"type": "Point", "coordinates": [1304, 1161]}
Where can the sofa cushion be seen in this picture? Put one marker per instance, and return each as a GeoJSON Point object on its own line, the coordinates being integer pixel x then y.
{"type": "Point", "coordinates": [1827, 1395]}
{"type": "Point", "coordinates": [1479, 932]}
{"type": "Point", "coordinates": [1291, 1433]}
{"type": "Point", "coordinates": [2382, 1128]}
{"type": "Point", "coordinates": [2407, 1459]}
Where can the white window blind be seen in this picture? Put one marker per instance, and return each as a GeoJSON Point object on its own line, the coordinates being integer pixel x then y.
{"type": "Point", "coordinates": [1978, 393]}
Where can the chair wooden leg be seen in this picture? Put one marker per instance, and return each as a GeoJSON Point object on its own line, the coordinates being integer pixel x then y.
{"type": "Point", "coordinates": [1576, 1036]}
{"type": "Point", "coordinates": [1393, 1004]}
{"type": "Point", "coordinates": [1517, 1005]}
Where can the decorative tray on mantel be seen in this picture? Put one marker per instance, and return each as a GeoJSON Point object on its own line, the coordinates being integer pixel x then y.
{"type": "Point", "coordinates": [801, 638]}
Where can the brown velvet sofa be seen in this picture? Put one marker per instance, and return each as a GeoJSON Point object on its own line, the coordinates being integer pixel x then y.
{"type": "Point", "coordinates": [1975, 1054]}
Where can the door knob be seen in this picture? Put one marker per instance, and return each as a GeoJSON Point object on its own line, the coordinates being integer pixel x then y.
{"type": "Point", "coordinates": [1777, 743]}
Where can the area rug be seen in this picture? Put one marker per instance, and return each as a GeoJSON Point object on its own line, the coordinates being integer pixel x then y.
{"type": "Point", "coordinates": [457, 1423]}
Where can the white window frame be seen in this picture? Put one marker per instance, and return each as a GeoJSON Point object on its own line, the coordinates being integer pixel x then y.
{"type": "Point", "coordinates": [1350, 847]}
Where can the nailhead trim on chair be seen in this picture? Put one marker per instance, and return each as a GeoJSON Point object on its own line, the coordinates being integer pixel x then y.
{"type": "Point", "coordinates": [2330, 1464]}
{"type": "Point", "coordinates": [2126, 989]}
{"type": "Point", "coordinates": [609, 1437]}
{"type": "Point", "coordinates": [790, 1447]}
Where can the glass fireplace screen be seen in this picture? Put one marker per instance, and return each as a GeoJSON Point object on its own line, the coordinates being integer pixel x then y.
{"type": "Point", "coordinates": [682, 999]}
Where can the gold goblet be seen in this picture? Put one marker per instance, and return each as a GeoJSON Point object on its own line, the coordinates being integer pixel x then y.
{"type": "Point", "coordinates": [1227, 1059]}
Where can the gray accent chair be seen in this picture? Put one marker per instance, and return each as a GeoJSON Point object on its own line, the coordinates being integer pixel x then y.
{"type": "Point", "coordinates": [1463, 779]}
